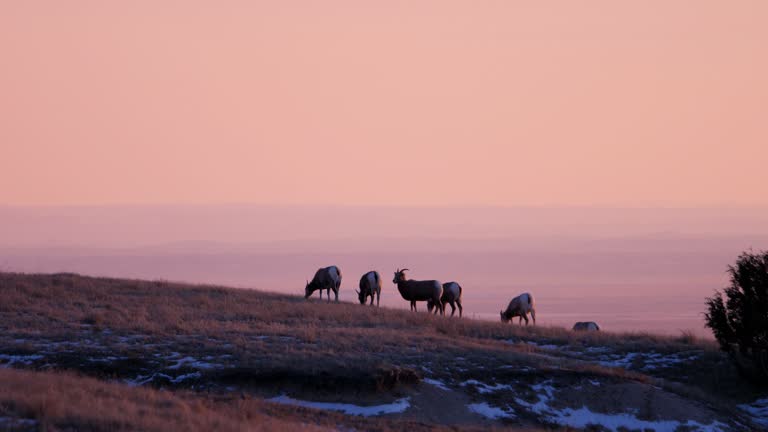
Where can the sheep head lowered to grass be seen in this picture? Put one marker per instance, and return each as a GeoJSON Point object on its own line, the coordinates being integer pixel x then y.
{"type": "Point", "coordinates": [520, 306]}
{"type": "Point", "coordinates": [328, 278]}
{"type": "Point", "coordinates": [370, 284]}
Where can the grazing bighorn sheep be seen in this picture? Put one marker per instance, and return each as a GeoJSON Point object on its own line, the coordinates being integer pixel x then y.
{"type": "Point", "coordinates": [328, 278]}
{"type": "Point", "coordinates": [414, 291]}
{"type": "Point", "coordinates": [520, 306]}
{"type": "Point", "coordinates": [451, 295]}
{"type": "Point", "coordinates": [586, 326]}
{"type": "Point", "coordinates": [370, 284]}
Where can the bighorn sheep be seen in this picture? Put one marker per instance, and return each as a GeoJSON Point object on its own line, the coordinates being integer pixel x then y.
{"type": "Point", "coordinates": [586, 326]}
{"type": "Point", "coordinates": [451, 295]}
{"type": "Point", "coordinates": [520, 306]}
{"type": "Point", "coordinates": [370, 284]}
{"type": "Point", "coordinates": [414, 291]}
{"type": "Point", "coordinates": [328, 278]}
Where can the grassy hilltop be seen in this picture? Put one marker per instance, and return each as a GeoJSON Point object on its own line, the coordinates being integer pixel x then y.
{"type": "Point", "coordinates": [84, 353]}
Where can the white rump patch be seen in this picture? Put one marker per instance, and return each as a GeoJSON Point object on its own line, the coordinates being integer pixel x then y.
{"type": "Point", "coordinates": [397, 406]}
{"type": "Point", "coordinates": [454, 288]}
{"type": "Point", "coordinates": [334, 273]}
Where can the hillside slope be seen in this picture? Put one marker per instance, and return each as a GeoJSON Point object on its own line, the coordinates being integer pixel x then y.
{"type": "Point", "coordinates": [107, 354]}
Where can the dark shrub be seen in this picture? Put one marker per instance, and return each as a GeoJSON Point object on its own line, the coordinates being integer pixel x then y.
{"type": "Point", "coordinates": [738, 316]}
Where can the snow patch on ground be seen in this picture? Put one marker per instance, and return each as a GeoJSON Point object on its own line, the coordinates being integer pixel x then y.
{"type": "Point", "coordinates": [12, 422]}
{"type": "Point", "coordinates": [278, 338]}
{"type": "Point", "coordinates": [437, 383]}
{"type": "Point", "coordinates": [537, 345]}
{"type": "Point", "coordinates": [544, 346]}
{"type": "Point", "coordinates": [12, 359]}
{"type": "Point", "coordinates": [397, 406]}
{"type": "Point", "coordinates": [545, 392]}
{"type": "Point", "coordinates": [191, 362]}
{"type": "Point", "coordinates": [583, 417]}
{"type": "Point", "coordinates": [650, 360]}
{"type": "Point", "coordinates": [484, 388]}
{"type": "Point", "coordinates": [490, 412]}
{"type": "Point", "coordinates": [144, 379]}
{"type": "Point", "coordinates": [758, 410]}
{"type": "Point", "coordinates": [108, 359]}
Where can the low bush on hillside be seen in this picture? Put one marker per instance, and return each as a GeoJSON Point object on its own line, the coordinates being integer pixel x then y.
{"type": "Point", "coordinates": [738, 316]}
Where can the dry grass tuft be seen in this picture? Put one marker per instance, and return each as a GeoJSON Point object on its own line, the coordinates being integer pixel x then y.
{"type": "Point", "coordinates": [67, 402]}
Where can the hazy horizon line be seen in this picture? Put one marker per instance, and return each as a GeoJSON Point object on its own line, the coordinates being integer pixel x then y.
{"type": "Point", "coordinates": [398, 206]}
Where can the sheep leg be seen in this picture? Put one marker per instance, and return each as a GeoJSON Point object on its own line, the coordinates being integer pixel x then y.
{"type": "Point", "coordinates": [525, 315]}
{"type": "Point", "coordinates": [453, 308]}
{"type": "Point", "coordinates": [458, 302]}
{"type": "Point", "coordinates": [533, 315]}
{"type": "Point", "coordinates": [378, 297]}
{"type": "Point", "coordinates": [321, 294]}
{"type": "Point", "coordinates": [336, 292]}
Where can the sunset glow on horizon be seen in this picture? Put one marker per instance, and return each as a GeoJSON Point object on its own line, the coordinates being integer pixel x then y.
{"type": "Point", "coordinates": [551, 103]}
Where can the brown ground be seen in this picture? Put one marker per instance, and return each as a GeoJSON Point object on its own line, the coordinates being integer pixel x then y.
{"type": "Point", "coordinates": [205, 357]}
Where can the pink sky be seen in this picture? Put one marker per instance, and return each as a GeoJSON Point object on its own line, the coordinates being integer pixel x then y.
{"type": "Point", "coordinates": [651, 103]}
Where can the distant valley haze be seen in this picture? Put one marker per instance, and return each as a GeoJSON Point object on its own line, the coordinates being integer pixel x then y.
{"type": "Point", "coordinates": [629, 269]}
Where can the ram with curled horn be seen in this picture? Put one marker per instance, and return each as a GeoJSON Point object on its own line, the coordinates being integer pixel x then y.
{"type": "Point", "coordinates": [413, 290]}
